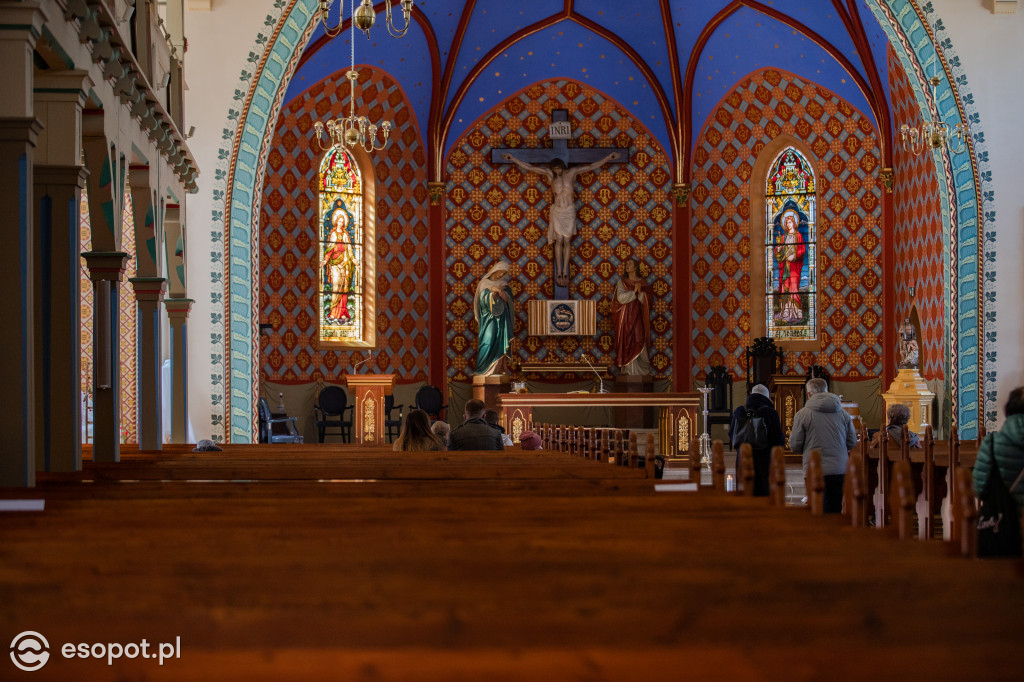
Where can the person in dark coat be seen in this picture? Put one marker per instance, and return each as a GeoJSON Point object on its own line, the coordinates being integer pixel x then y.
{"type": "Point", "coordinates": [475, 433]}
{"type": "Point", "coordinates": [1007, 446]}
{"type": "Point", "coordinates": [760, 402]}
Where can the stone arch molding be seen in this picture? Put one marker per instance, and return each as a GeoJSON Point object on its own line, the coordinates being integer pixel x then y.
{"type": "Point", "coordinates": [242, 166]}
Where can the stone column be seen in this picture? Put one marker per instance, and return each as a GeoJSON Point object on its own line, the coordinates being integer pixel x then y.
{"type": "Point", "coordinates": [148, 293]}
{"type": "Point", "coordinates": [105, 271]}
{"type": "Point", "coordinates": [177, 314]}
{"type": "Point", "coordinates": [59, 180]}
{"type": "Point", "coordinates": [59, 398]}
{"type": "Point", "coordinates": [20, 25]}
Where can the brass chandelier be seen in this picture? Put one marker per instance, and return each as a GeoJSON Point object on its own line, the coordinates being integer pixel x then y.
{"type": "Point", "coordinates": [934, 134]}
{"type": "Point", "coordinates": [364, 16]}
{"type": "Point", "coordinates": [354, 130]}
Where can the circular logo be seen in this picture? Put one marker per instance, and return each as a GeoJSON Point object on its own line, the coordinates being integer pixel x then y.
{"type": "Point", "coordinates": [563, 318]}
{"type": "Point", "coordinates": [30, 651]}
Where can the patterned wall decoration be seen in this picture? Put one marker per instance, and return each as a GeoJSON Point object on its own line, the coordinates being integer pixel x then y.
{"type": "Point", "coordinates": [918, 233]}
{"type": "Point", "coordinates": [289, 229]}
{"type": "Point", "coordinates": [845, 149]}
{"type": "Point", "coordinates": [86, 313]}
{"type": "Point", "coordinates": [623, 211]}
{"type": "Point", "coordinates": [967, 179]}
{"type": "Point", "coordinates": [127, 324]}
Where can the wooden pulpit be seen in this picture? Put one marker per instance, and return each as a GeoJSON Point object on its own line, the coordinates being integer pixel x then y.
{"type": "Point", "coordinates": [370, 390]}
{"type": "Point", "coordinates": [788, 395]}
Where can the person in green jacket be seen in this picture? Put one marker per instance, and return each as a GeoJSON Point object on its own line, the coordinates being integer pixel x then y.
{"type": "Point", "coordinates": [1007, 445]}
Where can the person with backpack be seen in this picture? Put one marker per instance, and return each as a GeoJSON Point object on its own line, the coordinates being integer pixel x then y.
{"type": "Point", "coordinates": [757, 423]}
{"type": "Point", "coordinates": [1006, 447]}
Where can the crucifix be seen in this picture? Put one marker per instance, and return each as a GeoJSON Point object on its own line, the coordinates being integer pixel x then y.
{"type": "Point", "coordinates": [562, 175]}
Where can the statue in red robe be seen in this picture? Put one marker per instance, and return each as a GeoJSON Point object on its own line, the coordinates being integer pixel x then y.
{"type": "Point", "coordinates": [631, 318]}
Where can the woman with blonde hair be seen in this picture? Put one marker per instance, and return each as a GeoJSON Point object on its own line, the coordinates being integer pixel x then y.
{"type": "Point", "coordinates": [416, 435]}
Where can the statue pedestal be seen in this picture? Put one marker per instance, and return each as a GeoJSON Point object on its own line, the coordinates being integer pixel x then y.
{"type": "Point", "coordinates": [487, 388]}
{"type": "Point", "coordinates": [909, 388]}
{"type": "Point", "coordinates": [633, 416]}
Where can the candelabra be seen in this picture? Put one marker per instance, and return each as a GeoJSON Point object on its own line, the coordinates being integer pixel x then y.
{"type": "Point", "coordinates": [353, 130]}
{"type": "Point", "coordinates": [934, 134]}
{"type": "Point", "coordinates": [705, 437]}
{"type": "Point", "coordinates": [364, 17]}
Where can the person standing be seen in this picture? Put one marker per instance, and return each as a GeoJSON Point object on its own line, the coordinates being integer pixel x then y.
{"type": "Point", "coordinates": [631, 319]}
{"type": "Point", "coordinates": [822, 424]}
{"type": "Point", "coordinates": [759, 404]}
{"type": "Point", "coordinates": [475, 433]}
{"type": "Point", "coordinates": [1006, 448]}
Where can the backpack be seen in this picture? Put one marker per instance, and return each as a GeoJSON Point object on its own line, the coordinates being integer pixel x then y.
{"type": "Point", "coordinates": [998, 524]}
{"type": "Point", "coordinates": [750, 429]}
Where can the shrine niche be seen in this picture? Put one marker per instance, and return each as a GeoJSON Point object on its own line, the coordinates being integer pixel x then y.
{"type": "Point", "coordinates": [623, 212]}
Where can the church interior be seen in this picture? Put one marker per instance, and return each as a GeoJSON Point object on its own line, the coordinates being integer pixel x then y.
{"type": "Point", "coordinates": [249, 222]}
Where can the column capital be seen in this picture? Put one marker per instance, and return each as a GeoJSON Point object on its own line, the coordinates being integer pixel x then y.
{"type": "Point", "coordinates": [178, 308]}
{"type": "Point", "coordinates": [71, 176]}
{"type": "Point", "coordinates": [149, 288]}
{"type": "Point", "coordinates": [21, 21]}
{"type": "Point", "coordinates": [63, 86]}
{"type": "Point", "coordinates": [105, 265]}
{"type": "Point", "coordinates": [20, 129]}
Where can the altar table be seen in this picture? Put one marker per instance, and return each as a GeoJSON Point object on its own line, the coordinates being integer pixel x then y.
{"type": "Point", "coordinates": [678, 426]}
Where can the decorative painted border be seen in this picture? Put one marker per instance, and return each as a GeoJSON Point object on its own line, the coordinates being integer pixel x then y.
{"type": "Point", "coordinates": [972, 263]}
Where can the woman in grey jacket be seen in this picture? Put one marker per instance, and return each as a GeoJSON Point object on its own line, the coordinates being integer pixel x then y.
{"type": "Point", "coordinates": [823, 425]}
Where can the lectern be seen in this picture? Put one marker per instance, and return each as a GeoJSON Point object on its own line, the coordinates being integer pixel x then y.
{"type": "Point", "coordinates": [370, 390]}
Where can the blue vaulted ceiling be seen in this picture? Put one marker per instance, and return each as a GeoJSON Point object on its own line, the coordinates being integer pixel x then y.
{"type": "Point", "coordinates": [668, 61]}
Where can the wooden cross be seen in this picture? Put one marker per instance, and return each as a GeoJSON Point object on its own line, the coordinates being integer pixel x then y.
{"type": "Point", "coordinates": [560, 132]}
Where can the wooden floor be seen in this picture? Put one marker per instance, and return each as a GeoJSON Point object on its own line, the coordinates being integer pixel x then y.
{"type": "Point", "coordinates": [321, 562]}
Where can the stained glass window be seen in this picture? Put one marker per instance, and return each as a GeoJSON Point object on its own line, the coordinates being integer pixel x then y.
{"type": "Point", "coordinates": [791, 249]}
{"type": "Point", "coordinates": [342, 299]}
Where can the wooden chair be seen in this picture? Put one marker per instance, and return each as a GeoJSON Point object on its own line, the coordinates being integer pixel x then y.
{"type": "Point", "coordinates": [268, 421]}
{"type": "Point", "coordinates": [393, 426]}
{"type": "Point", "coordinates": [720, 399]}
{"type": "Point", "coordinates": [330, 411]}
{"type": "Point", "coordinates": [764, 359]}
{"type": "Point", "coordinates": [431, 400]}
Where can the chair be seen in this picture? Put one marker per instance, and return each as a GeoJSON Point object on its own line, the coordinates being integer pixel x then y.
{"type": "Point", "coordinates": [819, 372]}
{"type": "Point", "coordinates": [764, 359]}
{"type": "Point", "coordinates": [429, 399]}
{"type": "Point", "coordinates": [393, 426]}
{"type": "Point", "coordinates": [720, 399]}
{"type": "Point", "coordinates": [267, 422]}
{"type": "Point", "coordinates": [329, 409]}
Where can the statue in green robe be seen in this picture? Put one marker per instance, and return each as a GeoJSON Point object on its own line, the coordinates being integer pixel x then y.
{"type": "Point", "coordinates": [495, 315]}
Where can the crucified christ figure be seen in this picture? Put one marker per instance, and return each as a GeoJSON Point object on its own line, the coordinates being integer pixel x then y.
{"type": "Point", "coordinates": [562, 223]}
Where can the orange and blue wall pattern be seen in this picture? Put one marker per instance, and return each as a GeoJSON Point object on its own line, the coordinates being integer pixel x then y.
{"type": "Point", "coordinates": [288, 237]}
{"type": "Point", "coordinates": [845, 153]}
{"type": "Point", "coordinates": [623, 211]}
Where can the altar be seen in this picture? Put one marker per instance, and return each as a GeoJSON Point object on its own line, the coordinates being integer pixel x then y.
{"type": "Point", "coordinates": [678, 425]}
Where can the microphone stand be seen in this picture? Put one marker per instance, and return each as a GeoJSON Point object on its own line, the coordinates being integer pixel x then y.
{"type": "Point", "coordinates": [362, 362]}
{"type": "Point", "coordinates": [594, 370]}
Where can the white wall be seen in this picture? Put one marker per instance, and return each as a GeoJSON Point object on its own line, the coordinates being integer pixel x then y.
{"type": "Point", "coordinates": [219, 42]}
{"type": "Point", "coordinates": [991, 49]}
